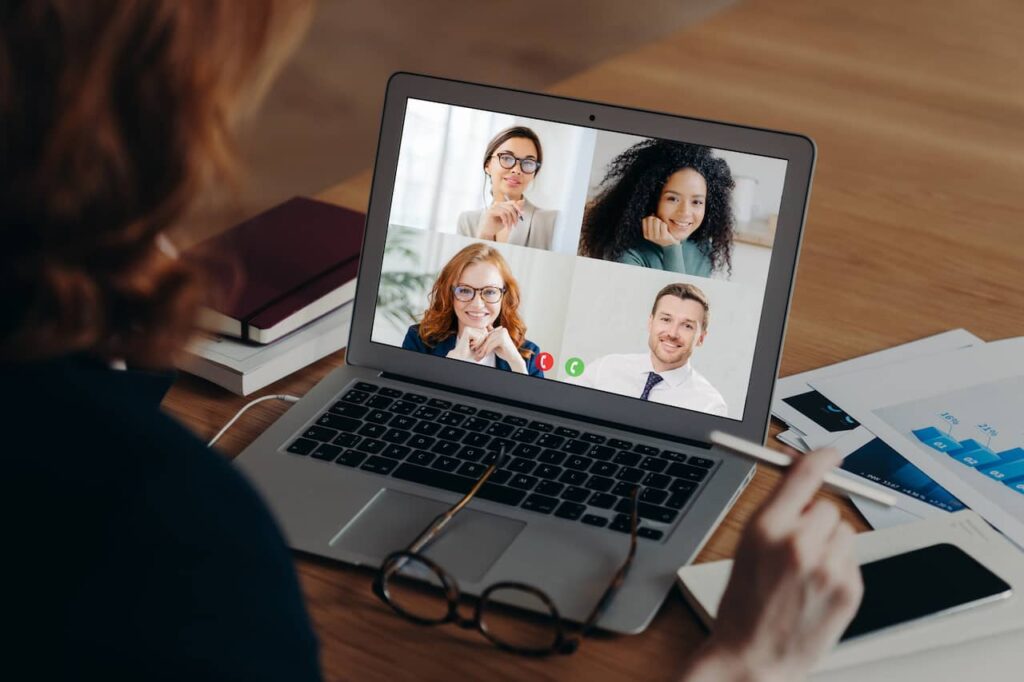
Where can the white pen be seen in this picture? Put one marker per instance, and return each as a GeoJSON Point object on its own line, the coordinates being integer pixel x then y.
{"type": "Point", "coordinates": [507, 199]}
{"type": "Point", "coordinates": [832, 479]}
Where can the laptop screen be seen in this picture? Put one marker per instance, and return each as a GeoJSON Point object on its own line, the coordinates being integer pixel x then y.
{"type": "Point", "coordinates": [630, 265]}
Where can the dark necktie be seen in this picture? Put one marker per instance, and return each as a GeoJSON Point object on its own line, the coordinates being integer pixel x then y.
{"type": "Point", "coordinates": [653, 379]}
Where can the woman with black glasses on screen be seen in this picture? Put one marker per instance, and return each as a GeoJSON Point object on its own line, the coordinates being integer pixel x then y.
{"type": "Point", "coordinates": [473, 315]}
{"type": "Point", "coordinates": [511, 162]}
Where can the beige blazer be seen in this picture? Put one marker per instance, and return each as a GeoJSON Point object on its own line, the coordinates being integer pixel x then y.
{"type": "Point", "coordinates": [536, 230]}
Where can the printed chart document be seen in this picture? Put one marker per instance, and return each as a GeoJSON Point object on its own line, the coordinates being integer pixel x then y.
{"type": "Point", "coordinates": [957, 416]}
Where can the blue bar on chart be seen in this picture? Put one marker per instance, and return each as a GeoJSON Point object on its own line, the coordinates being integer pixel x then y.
{"type": "Point", "coordinates": [936, 439]}
{"type": "Point", "coordinates": [972, 453]}
{"type": "Point", "coordinates": [1007, 471]}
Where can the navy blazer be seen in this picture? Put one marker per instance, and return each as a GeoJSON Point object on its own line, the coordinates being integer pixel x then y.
{"type": "Point", "coordinates": [414, 342]}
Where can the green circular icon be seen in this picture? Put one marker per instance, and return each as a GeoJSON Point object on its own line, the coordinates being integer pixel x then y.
{"type": "Point", "coordinates": [574, 367]}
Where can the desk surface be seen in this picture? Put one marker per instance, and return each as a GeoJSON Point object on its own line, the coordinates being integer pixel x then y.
{"type": "Point", "coordinates": [914, 228]}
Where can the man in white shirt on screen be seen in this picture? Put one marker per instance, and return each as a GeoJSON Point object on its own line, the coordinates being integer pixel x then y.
{"type": "Point", "coordinates": [676, 327]}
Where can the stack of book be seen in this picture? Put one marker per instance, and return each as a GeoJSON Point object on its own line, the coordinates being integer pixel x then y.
{"type": "Point", "coordinates": [290, 281]}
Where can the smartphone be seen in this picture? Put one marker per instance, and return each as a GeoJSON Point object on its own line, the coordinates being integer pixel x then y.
{"type": "Point", "coordinates": [926, 582]}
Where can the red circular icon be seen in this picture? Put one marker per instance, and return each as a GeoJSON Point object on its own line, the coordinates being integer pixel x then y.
{"type": "Point", "coordinates": [545, 361]}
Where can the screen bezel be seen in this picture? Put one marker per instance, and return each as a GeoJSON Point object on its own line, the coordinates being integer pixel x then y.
{"type": "Point", "coordinates": [797, 150]}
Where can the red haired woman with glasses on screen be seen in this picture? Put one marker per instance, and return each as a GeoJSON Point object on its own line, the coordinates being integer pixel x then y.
{"type": "Point", "coordinates": [473, 315]}
{"type": "Point", "coordinates": [133, 552]}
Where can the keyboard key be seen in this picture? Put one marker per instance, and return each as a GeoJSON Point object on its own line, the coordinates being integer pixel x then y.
{"type": "Point", "coordinates": [604, 468]}
{"type": "Point", "coordinates": [681, 486]}
{"type": "Point", "coordinates": [600, 483]}
{"type": "Point", "coordinates": [372, 430]}
{"type": "Point", "coordinates": [524, 450]}
{"type": "Point", "coordinates": [653, 464]}
{"type": "Point", "coordinates": [593, 438]}
{"type": "Point", "coordinates": [687, 472]}
{"type": "Point", "coordinates": [499, 476]}
{"type": "Point", "coordinates": [457, 484]}
{"type": "Point", "coordinates": [451, 418]}
{"type": "Point", "coordinates": [656, 513]}
{"type": "Point", "coordinates": [390, 392]}
{"type": "Point", "coordinates": [653, 495]}
{"type": "Point", "coordinates": [424, 412]}
{"type": "Point", "coordinates": [543, 427]}
{"type": "Point", "coordinates": [333, 421]}
{"type": "Point", "coordinates": [320, 433]}
{"type": "Point", "coordinates": [401, 422]}
{"type": "Point", "coordinates": [540, 503]}
{"type": "Point", "coordinates": [657, 481]}
{"type": "Point", "coordinates": [470, 453]}
{"type": "Point", "coordinates": [421, 442]}
{"type": "Point", "coordinates": [630, 475]}
{"type": "Point", "coordinates": [567, 432]}
{"type": "Point", "coordinates": [403, 407]}
{"type": "Point", "coordinates": [578, 463]}
{"type": "Point", "coordinates": [525, 435]}
{"type": "Point", "coordinates": [622, 523]}
{"type": "Point", "coordinates": [630, 459]}
{"type": "Point", "coordinates": [396, 436]}
{"type": "Point", "coordinates": [446, 463]}
{"type": "Point", "coordinates": [645, 450]}
{"type": "Point", "coordinates": [624, 506]}
{"type": "Point", "coordinates": [438, 403]}
{"type": "Point", "coordinates": [594, 520]}
{"type": "Point", "coordinates": [573, 477]}
{"type": "Point", "coordinates": [351, 458]}
{"type": "Point", "coordinates": [477, 440]}
{"type": "Point", "coordinates": [623, 489]}
{"type": "Point", "coordinates": [515, 421]}
{"type": "Point", "coordinates": [701, 462]}
{"type": "Point", "coordinates": [378, 416]}
{"type": "Point", "coordinates": [346, 440]}
{"type": "Point", "coordinates": [379, 402]}
{"type": "Point", "coordinates": [649, 533]}
{"type": "Point", "coordinates": [489, 414]}
{"type": "Point", "coordinates": [601, 500]}
{"type": "Point", "coordinates": [674, 456]}
{"type": "Point", "coordinates": [363, 386]}
{"type": "Point", "coordinates": [521, 466]}
{"type": "Point", "coordinates": [302, 446]}
{"type": "Point", "coordinates": [475, 424]}
{"type": "Point", "coordinates": [549, 488]}
{"type": "Point", "coordinates": [576, 447]}
{"type": "Point", "coordinates": [445, 447]}
{"type": "Point", "coordinates": [570, 510]}
{"type": "Point", "coordinates": [379, 465]}
{"type": "Point", "coordinates": [501, 445]}
{"type": "Point", "coordinates": [472, 469]}
{"type": "Point", "coordinates": [549, 440]}
{"type": "Point", "coordinates": [371, 446]}
{"type": "Point", "coordinates": [499, 429]}
{"type": "Point", "coordinates": [552, 457]}
{"type": "Point", "coordinates": [575, 494]}
{"type": "Point", "coordinates": [602, 452]}
{"type": "Point", "coordinates": [464, 409]}
{"type": "Point", "coordinates": [451, 433]}
{"type": "Point", "coordinates": [422, 457]}
{"type": "Point", "coordinates": [326, 452]}
{"type": "Point", "coordinates": [678, 500]}
{"type": "Point", "coordinates": [396, 451]}
{"type": "Point", "coordinates": [355, 396]}
{"type": "Point", "coordinates": [522, 481]}
{"type": "Point", "coordinates": [548, 471]}
{"type": "Point", "coordinates": [415, 398]}
{"type": "Point", "coordinates": [620, 444]}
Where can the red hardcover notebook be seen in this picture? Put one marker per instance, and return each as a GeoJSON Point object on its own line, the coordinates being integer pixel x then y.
{"type": "Point", "coordinates": [298, 261]}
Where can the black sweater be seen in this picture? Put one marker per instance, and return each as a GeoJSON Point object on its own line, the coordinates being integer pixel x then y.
{"type": "Point", "coordinates": [131, 551]}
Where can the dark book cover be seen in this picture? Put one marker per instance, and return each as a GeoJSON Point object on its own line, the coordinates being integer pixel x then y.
{"type": "Point", "coordinates": [298, 261]}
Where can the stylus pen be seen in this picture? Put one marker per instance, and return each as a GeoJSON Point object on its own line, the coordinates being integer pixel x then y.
{"type": "Point", "coordinates": [832, 479]}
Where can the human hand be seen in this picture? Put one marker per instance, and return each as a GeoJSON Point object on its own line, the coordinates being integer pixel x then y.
{"type": "Point", "coordinates": [499, 341]}
{"type": "Point", "coordinates": [657, 231]}
{"type": "Point", "coordinates": [497, 221]}
{"type": "Point", "coordinates": [464, 343]}
{"type": "Point", "coordinates": [794, 587]}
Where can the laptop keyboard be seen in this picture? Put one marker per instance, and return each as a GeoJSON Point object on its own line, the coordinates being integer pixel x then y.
{"type": "Point", "coordinates": [551, 469]}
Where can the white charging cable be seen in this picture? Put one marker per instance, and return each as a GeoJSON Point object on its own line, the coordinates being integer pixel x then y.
{"type": "Point", "coordinates": [286, 398]}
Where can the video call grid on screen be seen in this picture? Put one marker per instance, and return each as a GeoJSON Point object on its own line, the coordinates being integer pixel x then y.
{"type": "Point", "coordinates": [587, 314]}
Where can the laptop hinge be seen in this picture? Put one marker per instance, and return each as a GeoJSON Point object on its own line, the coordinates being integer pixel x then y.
{"type": "Point", "coordinates": [554, 413]}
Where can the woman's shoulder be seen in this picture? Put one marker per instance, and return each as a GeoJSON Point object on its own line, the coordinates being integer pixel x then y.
{"type": "Point", "coordinates": [412, 340]}
{"type": "Point", "coordinates": [697, 259]}
{"type": "Point", "coordinates": [640, 255]}
{"type": "Point", "coordinates": [467, 222]}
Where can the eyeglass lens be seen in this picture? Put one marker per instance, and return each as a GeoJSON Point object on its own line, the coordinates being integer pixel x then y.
{"type": "Point", "coordinates": [529, 166]}
{"type": "Point", "coordinates": [488, 294]}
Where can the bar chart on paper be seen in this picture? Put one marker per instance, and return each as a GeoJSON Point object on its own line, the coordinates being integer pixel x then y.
{"type": "Point", "coordinates": [981, 428]}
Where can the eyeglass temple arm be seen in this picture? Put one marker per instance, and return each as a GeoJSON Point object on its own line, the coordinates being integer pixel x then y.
{"type": "Point", "coordinates": [620, 575]}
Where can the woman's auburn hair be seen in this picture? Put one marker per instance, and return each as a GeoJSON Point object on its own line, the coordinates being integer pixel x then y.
{"type": "Point", "coordinates": [439, 321]}
{"type": "Point", "coordinates": [631, 190]}
{"type": "Point", "coordinates": [113, 116]}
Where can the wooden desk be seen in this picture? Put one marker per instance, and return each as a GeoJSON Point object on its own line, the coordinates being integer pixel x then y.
{"type": "Point", "coordinates": [914, 228]}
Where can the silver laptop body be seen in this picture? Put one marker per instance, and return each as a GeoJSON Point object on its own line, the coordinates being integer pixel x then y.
{"type": "Point", "coordinates": [338, 502]}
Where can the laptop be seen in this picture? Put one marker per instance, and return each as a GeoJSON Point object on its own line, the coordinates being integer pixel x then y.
{"type": "Point", "coordinates": [588, 288]}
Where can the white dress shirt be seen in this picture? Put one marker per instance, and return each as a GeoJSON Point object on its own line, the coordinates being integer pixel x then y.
{"type": "Point", "coordinates": [627, 375]}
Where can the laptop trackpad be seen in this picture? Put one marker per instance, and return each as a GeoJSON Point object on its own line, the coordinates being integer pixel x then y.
{"type": "Point", "coordinates": [466, 548]}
